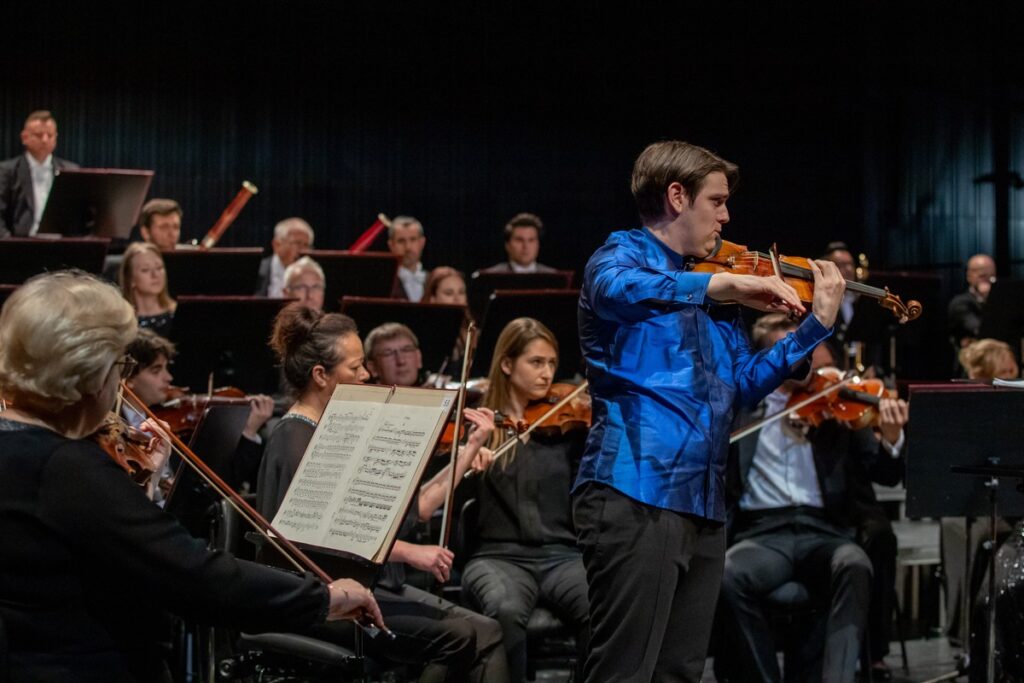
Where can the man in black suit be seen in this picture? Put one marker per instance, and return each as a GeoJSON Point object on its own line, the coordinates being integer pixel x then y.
{"type": "Point", "coordinates": [796, 504]}
{"type": "Point", "coordinates": [292, 236]}
{"type": "Point", "coordinates": [25, 180]}
{"type": "Point", "coordinates": [522, 244]}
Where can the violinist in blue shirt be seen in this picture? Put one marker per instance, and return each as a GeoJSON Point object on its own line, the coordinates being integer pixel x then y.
{"type": "Point", "coordinates": [667, 364]}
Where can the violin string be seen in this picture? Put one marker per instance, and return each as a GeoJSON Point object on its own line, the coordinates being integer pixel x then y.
{"type": "Point", "coordinates": [510, 443]}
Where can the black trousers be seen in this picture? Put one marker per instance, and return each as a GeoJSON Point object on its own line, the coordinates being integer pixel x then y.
{"type": "Point", "coordinates": [454, 643]}
{"type": "Point", "coordinates": [653, 577]}
{"type": "Point", "coordinates": [827, 564]}
{"type": "Point", "coordinates": [875, 536]}
{"type": "Point", "coordinates": [508, 587]}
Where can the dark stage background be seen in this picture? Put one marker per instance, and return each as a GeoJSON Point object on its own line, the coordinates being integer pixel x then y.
{"type": "Point", "coordinates": [864, 122]}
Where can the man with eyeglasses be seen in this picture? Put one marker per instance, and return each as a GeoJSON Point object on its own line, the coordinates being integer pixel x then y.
{"type": "Point", "coordinates": [304, 280]}
{"type": "Point", "coordinates": [292, 236]}
{"type": "Point", "coordinates": [393, 355]}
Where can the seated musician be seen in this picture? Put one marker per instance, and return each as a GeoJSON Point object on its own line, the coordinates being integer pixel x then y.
{"type": "Point", "coordinates": [160, 223]}
{"type": "Point", "coordinates": [90, 566]}
{"type": "Point", "coordinates": [292, 236]}
{"type": "Point", "coordinates": [304, 280]}
{"type": "Point", "coordinates": [406, 241]}
{"type": "Point", "coordinates": [988, 359]}
{"type": "Point", "coordinates": [151, 381]}
{"type": "Point", "coordinates": [522, 245]}
{"type": "Point", "coordinates": [526, 554]}
{"type": "Point", "coordinates": [393, 355]}
{"type": "Point", "coordinates": [317, 351]}
{"type": "Point", "coordinates": [966, 308]}
{"type": "Point", "coordinates": [445, 285]}
{"type": "Point", "coordinates": [143, 281]}
{"type": "Point", "coordinates": [796, 502]}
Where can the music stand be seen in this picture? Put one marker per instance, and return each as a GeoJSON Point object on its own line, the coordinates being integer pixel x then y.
{"type": "Point", "coordinates": [100, 201]}
{"type": "Point", "coordinates": [367, 274]}
{"type": "Point", "coordinates": [224, 272]}
{"type": "Point", "coordinates": [23, 257]}
{"type": "Point", "coordinates": [483, 282]}
{"type": "Point", "coordinates": [437, 326]}
{"type": "Point", "coordinates": [226, 335]}
{"type": "Point", "coordinates": [1003, 316]}
{"type": "Point", "coordinates": [214, 441]}
{"type": "Point", "coordinates": [556, 308]}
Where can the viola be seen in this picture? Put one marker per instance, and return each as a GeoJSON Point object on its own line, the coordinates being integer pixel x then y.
{"type": "Point", "coordinates": [796, 272]}
{"type": "Point", "coordinates": [853, 404]}
{"type": "Point", "coordinates": [183, 410]}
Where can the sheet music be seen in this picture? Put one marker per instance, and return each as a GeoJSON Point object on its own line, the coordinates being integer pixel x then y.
{"type": "Point", "coordinates": [361, 467]}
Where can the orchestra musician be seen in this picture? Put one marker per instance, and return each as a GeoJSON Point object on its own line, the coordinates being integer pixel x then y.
{"type": "Point", "coordinates": [143, 281]}
{"type": "Point", "coordinates": [25, 180]}
{"type": "Point", "coordinates": [91, 565]}
{"type": "Point", "coordinates": [445, 285]}
{"type": "Point", "coordinates": [966, 308]}
{"type": "Point", "coordinates": [802, 509]}
{"type": "Point", "coordinates": [304, 280]}
{"type": "Point", "coordinates": [522, 246]}
{"type": "Point", "coordinates": [393, 355]}
{"type": "Point", "coordinates": [406, 240]}
{"type": "Point", "coordinates": [292, 236]}
{"type": "Point", "coordinates": [317, 351]}
{"type": "Point", "coordinates": [526, 551]}
{"type": "Point", "coordinates": [160, 223]}
{"type": "Point", "coordinates": [667, 366]}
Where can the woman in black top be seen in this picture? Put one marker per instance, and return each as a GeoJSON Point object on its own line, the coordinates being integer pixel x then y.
{"type": "Point", "coordinates": [143, 282]}
{"type": "Point", "coordinates": [89, 563]}
{"type": "Point", "coordinates": [527, 546]}
{"type": "Point", "coordinates": [317, 351]}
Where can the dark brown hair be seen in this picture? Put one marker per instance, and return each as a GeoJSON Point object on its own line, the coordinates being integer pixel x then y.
{"type": "Point", "coordinates": [147, 347]}
{"type": "Point", "coordinates": [436, 277]}
{"type": "Point", "coordinates": [524, 220]}
{"type": "Point", "coordinates": [158, 207]}
{"type": "Point", "coordinates": [673, 161]}
{"type": "Point", "coordinates": [304, 338]}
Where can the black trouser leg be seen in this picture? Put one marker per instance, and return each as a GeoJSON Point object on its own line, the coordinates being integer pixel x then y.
{"type": "Point", "coordinates": [879, 542]}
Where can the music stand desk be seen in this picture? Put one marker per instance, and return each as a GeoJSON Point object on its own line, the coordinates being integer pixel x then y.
{"type": "Point", "coordinates": [220, 272]}
{"type": "Point", "coordinates": [226, 335]}
{"type": "Point", "coordinates": [437, 326]}
{"type": "Point", "coordinates": [101, 201]}
{"type": "Point", "coordinates": [556, 308]}
{"type": "Point", "coordinates": [23, 257]}
{"type": "Point", "coordinates": [483, 282]}
{"type": "Point", "coordinates": [367, 274]}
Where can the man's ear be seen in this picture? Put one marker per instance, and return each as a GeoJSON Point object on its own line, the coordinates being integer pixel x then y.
{"type": "Point", "coordinates": [676, 198]}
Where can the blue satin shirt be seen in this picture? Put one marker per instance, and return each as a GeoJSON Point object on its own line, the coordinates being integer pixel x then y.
{"type": "Point", "coordinates": [666, 368]}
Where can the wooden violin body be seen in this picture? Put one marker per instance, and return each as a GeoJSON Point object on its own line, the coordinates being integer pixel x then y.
{"type": "Point", "coordinates": [128, 447]}
{"type": "Point", "coordinates": [184, 410]}
{"type": "Point", "coordinates": [796, 271]}
{"type": "Point", "coordinates": [853, 405]}
{"type": "Point", "coordinates": [574, 414]}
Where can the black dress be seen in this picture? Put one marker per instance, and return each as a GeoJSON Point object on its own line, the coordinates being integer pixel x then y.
{"type": "Point", "coordinates": [89, 564]}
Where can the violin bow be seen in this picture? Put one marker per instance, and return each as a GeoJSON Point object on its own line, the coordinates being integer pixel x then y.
{"type": "Point", "coordinates": [511, 442]}
{"type": "Point", "coordinates": [764, 422]}
{"type": "Point", "coordinates": [449, 501]}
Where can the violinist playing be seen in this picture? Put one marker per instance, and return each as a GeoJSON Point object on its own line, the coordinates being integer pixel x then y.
{"type": "Point", "coordinates": [526, 551]}
{"type": "Point", "coordinates": [89, 563]}
{"type": "Point", "coordinates": [667, 363]}
{"type": "Point", "coordinates": [802, 509]}
{"type": "Point", "coordinates": [151, 379]}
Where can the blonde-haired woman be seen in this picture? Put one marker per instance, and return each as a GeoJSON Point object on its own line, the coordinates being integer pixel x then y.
{"type": "Point", "coordinates": [989, 359]}
{"type": "Point", "coordinates": [90, 564]}
{"type": "Point", "coordinates": [526, 554]}
{"type": "Point", "coordinates": [143, 282]}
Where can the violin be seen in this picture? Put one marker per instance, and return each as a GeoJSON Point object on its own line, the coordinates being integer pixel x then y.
{"type": "Point", "coordinates": [565, 408]}
{"type": "Point", "coordinates": [183, 410]}
{"type": "Point", "coordinates": [130, 448]}
{"type": "Point", "coordinates": [796, 272]}
{"type": "Point", "coordinates": [854, 404]}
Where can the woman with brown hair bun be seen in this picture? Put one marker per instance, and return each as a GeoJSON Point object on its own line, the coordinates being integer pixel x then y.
{"type": "Point", "coordinates": [90, 565]}
{"type": "Point", "coordinates": [527, 551]}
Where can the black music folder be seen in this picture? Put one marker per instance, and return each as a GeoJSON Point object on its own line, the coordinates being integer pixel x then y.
{"type": "Point", "coordinates": [226, 336]}
{"type": "Point", "coordinates": [437, 326]}
{"type": "Point", "coordinates": [23, 257]}
{"type": "Point", "coordinates": [556, 308]}
{"type": "Point", "coordinates": [370, 273]}
{"type": "Point", "coordinates": [95, 201]}
{"type": "Point", "coordinates": [223, 272]}
{"type": "Point", "coordinates": [484, 282]}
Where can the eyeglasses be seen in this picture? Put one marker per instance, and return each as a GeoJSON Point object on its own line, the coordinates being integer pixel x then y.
{"type": "Point", "coordinates": [304, 288]}
{"type": "Point", "coordinates": [128, 365]}
{"type": "Point", "coordinates": [393, 353]}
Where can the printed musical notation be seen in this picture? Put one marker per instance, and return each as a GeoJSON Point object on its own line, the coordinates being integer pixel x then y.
{"type": "Point", "coordinates": [359, 471]}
